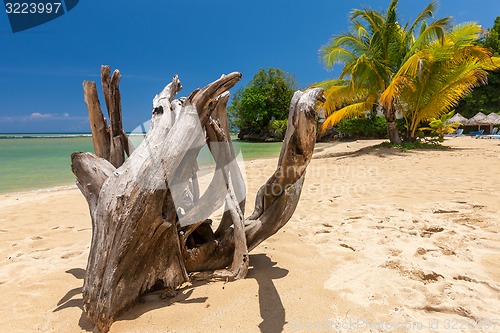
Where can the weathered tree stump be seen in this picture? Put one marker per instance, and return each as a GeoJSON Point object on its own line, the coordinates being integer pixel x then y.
{"type": "Point", "coordinates": [149, 221]}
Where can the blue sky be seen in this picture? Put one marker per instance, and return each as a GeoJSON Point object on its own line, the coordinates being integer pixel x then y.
{"type": "Point", "coordinates": [42, 69]}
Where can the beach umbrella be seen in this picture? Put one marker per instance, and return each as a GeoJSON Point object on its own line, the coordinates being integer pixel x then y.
{"type": "Point", "coordinates": [492, 119]}
{"type": "Point", "coordinates": [478, 119]}
{"type": "Point", "coordinates": [458, 118]}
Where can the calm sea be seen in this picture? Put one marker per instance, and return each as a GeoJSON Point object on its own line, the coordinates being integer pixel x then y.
{"type": "Point", "coordinates": [40, 161]}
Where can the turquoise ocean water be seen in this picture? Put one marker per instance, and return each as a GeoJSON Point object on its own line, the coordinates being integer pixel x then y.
{"type": "Point", "coordinates": [40, 161]}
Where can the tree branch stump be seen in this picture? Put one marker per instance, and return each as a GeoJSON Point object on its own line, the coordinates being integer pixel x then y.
{"type": "Point", "coordinates": [149, 222]}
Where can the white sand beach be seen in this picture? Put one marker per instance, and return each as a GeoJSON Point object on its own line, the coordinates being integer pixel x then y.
{"type": "Point", "coordinates": [381, 241]}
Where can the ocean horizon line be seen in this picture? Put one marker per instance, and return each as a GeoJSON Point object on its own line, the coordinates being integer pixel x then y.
{"type": "Point", "coordinates": [53, 135]}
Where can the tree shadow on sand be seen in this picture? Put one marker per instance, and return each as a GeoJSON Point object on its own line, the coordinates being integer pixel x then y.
{"type": "Point", "coordinates": [272, 311]}
{"type": "Point", "coordinates": [375, 150]}
{"type": "Point", "coordinates": [263, 270]}
{"type": "Point", "coordinates": [381, 151]}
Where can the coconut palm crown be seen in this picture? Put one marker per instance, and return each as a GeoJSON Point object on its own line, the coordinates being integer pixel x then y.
{"type": "Point", "coordinates": [385, 64]}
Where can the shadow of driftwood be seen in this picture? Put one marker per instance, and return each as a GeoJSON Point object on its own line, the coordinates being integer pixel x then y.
{"type": "Point", "coordinates": [263, 270]}
{"type": "Point", "coordinates": [63, 302]}
{"type": "Point", "coordinates": [67, 301]}
{"type": "Point", "coordinates": [271, 307]}
{"type": "Point", "coordinates": [158, 299]}
{"type": "Point", "coordinates": [79, 273]}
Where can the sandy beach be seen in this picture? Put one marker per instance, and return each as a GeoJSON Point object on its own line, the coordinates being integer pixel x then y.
{"type": "Point", "coordinates": [381, 241]}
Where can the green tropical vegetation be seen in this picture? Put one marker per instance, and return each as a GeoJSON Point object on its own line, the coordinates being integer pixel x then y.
{"type": "Point", "coordinates": [491, 38]}
{"type": "Point", "coordinates": [419, 70]}
{"type": "Point", "coordinates": [260, 109]}
{"type": "Point", "coordinates": [408, 145]}
{"type": "Point", "coordinates": [364, 127]}
{"type": "Point", "coordinates": [278, 127]}
{"type": "Point", "coordinates": [440, 126]}
{"type": "Point", "coordinates": [433, 80]}
{"type": "Point", "coordinates": [485, 99]}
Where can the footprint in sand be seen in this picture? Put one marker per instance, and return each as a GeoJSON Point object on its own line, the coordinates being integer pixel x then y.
{"type": "Point", "coordinates": [471, 280]}
{"type": "Point", "coordinates": [348, 247]}
{"type": "Point", "coordinates": [420, 251]}
{"type": "Point", "coordinates": [419, 275]}
{"type": "Point", "coordinates": [71, 254]}
{"type": "Point", "coordinates": [395, 252]}
{"type": "Point", "coordinates": [322, 231]}
{"type": "Point", "coordinates": [41, 250]}
{"type": "Point", "coordinates": [412, 273]}
{"type": "Point", "coordinates": [36, 238]}
{"type": "Point", "coordinates": [427, 233]}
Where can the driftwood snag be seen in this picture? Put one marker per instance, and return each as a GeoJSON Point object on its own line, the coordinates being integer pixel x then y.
{"type": "Point", "coordinates": [150, 223]}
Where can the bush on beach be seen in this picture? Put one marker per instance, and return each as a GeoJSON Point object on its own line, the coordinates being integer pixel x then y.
{"type": "Point", "coordinates": [364, 128]}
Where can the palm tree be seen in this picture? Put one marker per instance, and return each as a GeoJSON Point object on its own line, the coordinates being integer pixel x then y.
{"type": "Point", "coordinates": [372, 52]}
{"type": "Point", "coordinates": [432, 80]}
{"type": "Point", "coordinates": [440, 125]}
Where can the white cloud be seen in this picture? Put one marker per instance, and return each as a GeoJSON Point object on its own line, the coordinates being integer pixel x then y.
{"type": "Point", "coordinates": [41, 117]}
{"type": "Point", "coordinates": [6, 119]}
{"type": "Point", "coordinates": [38, 115]}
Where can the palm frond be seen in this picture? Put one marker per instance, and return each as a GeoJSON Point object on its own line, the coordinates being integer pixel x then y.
{"type": "Point", "coordinates": [449, 89]}
{"type": "Point", "coordinates": [433, 32]}
{"type": "Point", "coordinates": [373, 18]}
{"type": "Point", "coordinates": [391, 15]}
{"type": "Point", "coordinates": [359, 31]}
{"type": "Point", "coordinates": [424, 15]}
{"type": "Point", "coordinates": [339, 96]}
{"type": "Point", "coordinates": [350, 111]}
{"type": "Point", "coordinates": [393, 90]}
{"type": "Point", "coordinates": [464, 34]}
{"type": "Point", "coordinates": [413, 65]}
{"type": "Point", "coordinates": [332, 55]}
{"type": "Point", "coordinates": [329, 83]}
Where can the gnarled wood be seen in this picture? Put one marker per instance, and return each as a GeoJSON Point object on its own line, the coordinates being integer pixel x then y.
{"type": "Point", "coordinates": [110, 142]}
{"type": "Point", "coordinates": [277, 199]}
{"type": "Point", "coordinates": [119, 143]}
{"type": "Point", "coordinates": [98, 125]}
{"type": "Point", "coordinates": [91, 172]}
{"type": "Point", "coordinates": [150, 224]}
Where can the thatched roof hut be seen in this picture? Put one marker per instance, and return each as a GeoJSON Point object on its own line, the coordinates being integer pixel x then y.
{"type": "Point", "coordinates": [493, 119]}
{"type": "Point", "coordinates": [478, 119]}
{"type": "Point", "coordinates": [458, 118]}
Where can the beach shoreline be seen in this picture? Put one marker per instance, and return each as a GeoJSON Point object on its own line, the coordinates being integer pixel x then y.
{"type": "Point", "coordinates": [380, 237]}
{"type": "Point", "coordinates": [32, 162]}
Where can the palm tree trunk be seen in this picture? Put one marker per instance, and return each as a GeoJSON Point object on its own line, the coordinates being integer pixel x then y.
{"type": "Point", "coordinates": [392, 130]}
